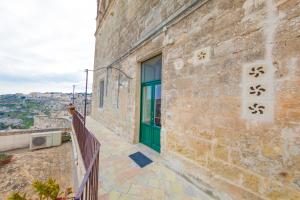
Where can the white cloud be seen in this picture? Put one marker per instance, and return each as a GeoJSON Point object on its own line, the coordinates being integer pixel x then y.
{"type": "Point", "coordinates": [40, 37]}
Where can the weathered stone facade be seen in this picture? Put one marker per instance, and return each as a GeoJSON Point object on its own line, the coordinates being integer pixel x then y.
{"type": "Point", "coordinates": [230, 87]}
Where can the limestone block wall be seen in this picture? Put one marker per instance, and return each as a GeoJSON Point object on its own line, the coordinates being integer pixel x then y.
{"type": "Point", "coordinates": [230, 89]}
{"type": "Point", "coordinates": [14, 141]}
{"type": "Point", "coordinates": [11, 140]}
{"type": "Point", "coordinates": [128, 21]}
{"type": "Point", "coordinates": [123, 25]}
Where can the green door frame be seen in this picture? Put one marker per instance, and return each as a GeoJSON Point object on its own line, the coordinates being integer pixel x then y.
{"type": "Point", "coordinates": [154, 130]}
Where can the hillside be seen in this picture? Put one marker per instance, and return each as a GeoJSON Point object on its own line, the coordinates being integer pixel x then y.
{"type": "Point", "coordinates": [17, 111]}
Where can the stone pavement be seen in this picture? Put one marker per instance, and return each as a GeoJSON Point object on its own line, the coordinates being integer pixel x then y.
{"type": "Point", "coordinates": [121, 178]}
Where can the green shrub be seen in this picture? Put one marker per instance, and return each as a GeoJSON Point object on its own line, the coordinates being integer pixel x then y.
{"type": "Point", "coordinates": [5, 158]}
{"type": "Point", "coordinates": [66, 137]}
{"type": "Point", "coordinates": [17, 196]}
{"type": "Point", "coordinates": [45, 190]}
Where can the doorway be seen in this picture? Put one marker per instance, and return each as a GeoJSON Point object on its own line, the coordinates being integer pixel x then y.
{"type": "Point", "coordinates": [150, 124]}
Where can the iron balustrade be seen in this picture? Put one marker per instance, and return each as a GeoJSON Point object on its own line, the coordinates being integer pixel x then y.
{"type": "Point", "coordinates": [90, 148]}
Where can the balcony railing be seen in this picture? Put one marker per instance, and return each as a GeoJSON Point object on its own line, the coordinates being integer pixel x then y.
{"type": "Point", "coordinates": [89, 148]}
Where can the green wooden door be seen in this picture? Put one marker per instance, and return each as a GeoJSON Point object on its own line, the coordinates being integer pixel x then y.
{"type": "Point", "coordinates": [151, 114]}
{"type": "Point", "coordinates": [151, 103]}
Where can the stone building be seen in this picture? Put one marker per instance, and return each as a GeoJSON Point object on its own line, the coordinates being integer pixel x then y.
{"type": "Point", "coordinates": [212, 85]}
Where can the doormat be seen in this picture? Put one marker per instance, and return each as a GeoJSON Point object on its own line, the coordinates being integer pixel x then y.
{"type": "Point", "coordinates": [140, 159]}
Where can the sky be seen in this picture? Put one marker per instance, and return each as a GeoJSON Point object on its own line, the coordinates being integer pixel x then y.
{"type": "Point", "coordinates": [45, 45]}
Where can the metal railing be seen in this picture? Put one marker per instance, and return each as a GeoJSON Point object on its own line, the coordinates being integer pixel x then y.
{"type": "Point", "coordinates": [90, 148]}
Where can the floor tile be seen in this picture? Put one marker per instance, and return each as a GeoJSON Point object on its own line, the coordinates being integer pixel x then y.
{"type": "Point", "coordinates": [122, 179]}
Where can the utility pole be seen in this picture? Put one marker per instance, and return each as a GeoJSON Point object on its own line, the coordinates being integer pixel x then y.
{"type": "Point", "coordinates": [85, 97]}
{"type": "Point", "coordinates": [73, 98]}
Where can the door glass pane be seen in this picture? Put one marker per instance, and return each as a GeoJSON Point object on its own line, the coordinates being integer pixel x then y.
{"type": "Point", "coordinates": [151, 69]}
{"type": "Point", "coordinates": [146, 105]}
{"type": "Point", "coordinates": [157, 105]}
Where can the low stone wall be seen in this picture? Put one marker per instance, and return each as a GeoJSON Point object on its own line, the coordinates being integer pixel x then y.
{"type": "Point", "coordinates": [11, 140]}
{"type": "Point", "coordinates": [44, 121]}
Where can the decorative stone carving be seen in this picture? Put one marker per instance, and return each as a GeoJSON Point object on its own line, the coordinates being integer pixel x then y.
{"type": "Point", "coordinates": [257, 71]}
{"type": "Point", "coordinates": [202, 55]}
{"type": "Point", "coordinates": [257, 109]}
{"type": "Point", "coordinates": [257, 92]}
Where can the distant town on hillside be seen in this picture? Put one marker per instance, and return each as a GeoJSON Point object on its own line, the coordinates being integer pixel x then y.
{"type": "Point", "coordinates": [17, 111]}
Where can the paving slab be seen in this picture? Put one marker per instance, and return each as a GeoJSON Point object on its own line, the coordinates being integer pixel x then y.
{"type": "Point", "coordinates": [121, 178]}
